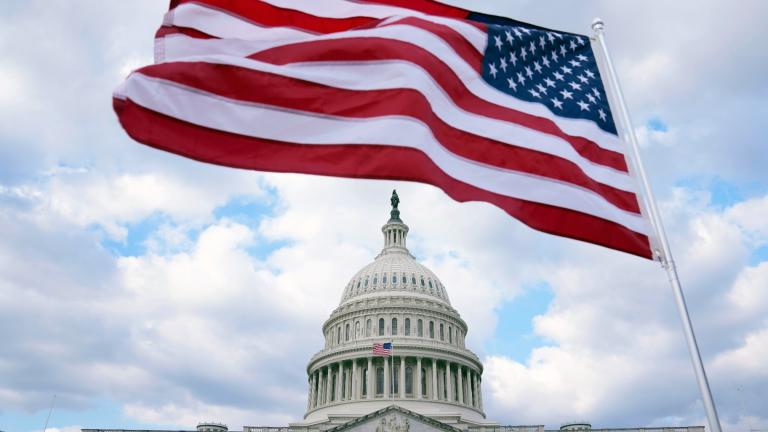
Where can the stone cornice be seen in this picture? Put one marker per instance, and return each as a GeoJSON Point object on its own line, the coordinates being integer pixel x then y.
{"type": "Point", "coordinates": [358, 351]}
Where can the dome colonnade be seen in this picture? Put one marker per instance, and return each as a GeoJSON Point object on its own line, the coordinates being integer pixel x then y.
{"type": "Point", "coordinates": [395, 299]}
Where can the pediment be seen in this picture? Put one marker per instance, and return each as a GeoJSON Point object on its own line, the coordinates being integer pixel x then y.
{"type": "Point", "coordinates": [394, 419]}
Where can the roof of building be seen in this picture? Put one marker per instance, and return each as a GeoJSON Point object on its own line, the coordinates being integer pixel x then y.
{"type": "Point", "coordinates": [395, 270]}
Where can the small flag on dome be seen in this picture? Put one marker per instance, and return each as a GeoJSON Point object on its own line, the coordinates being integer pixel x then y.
{"type": "Point", "coordinates": [382, 349]}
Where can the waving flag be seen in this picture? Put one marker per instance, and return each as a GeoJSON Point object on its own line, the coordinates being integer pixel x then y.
{"type": "Point", "coordinates": [382, 349]}
{"type": "Point", "coordinates": [486, 108]}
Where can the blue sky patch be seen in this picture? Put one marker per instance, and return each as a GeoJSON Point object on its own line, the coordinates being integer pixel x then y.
{"type": "Point", "coordinates": [134, 243]}
{"type": "Point", "coordinates": [103, 414]}
{"type": "Point", "coordinates": [656, 124]}
{"type": "Point", "coordinates": [514, 336]}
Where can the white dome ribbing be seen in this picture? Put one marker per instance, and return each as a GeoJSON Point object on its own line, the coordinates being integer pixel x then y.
{"type": "Point", "coordinates": [395, 270]}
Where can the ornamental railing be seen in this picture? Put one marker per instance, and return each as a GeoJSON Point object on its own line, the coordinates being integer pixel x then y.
{"type": "Point", "coordinates": [403, 342]}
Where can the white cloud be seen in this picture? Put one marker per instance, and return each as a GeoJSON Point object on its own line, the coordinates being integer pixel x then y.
{"type": "Point", "coordinates": [188, 330]}
{"type": "Point", "coordinates": [619, 357]}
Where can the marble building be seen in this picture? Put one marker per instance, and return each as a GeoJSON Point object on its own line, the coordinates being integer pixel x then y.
{"type": "Point", "coordinates": [395, 299]}
{"type": "Point", "coordinates": [430, 381]}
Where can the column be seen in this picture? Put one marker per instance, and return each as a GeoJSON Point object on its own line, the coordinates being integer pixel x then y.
{"type": "Point", "coordinates": [434, 380]}
{"type": "Point", "coordinates": [318, 377]}
{"type": "Point", "coordinates": [328, 386]}
{"type": "Point", "coordinates": [320, 389]}
{"type": "Point", "coordinates": [338, 382]}
{"type": "Point", "coordinates": [355, 385]}
{"type": "Point", "coordinates": [474, 390]}
{"type": "Point", "coordinates": [402, 377]}
{"type": "Point", "coordinates": [469, 389]}
{"type": "Point", "coordinates": [459, 384]}
{"type": "Point", "coordinates": [348, 383]}
{"type": "Point", "coordinates": [479, 393]}
{"type": "Point", "coordinates": [448, 383]}
{"type": "Point", "coordinates": [311, 403]}
{"type": "Point", "coordinates": [387, 378]}
{"type": "Point", "coordinates": [309, 394]}
{"type": "Point", "coordinates": [344, 375]}
{"type": "Point", "coordinates": [369, 395]}
{"type": "Point", "coordinates": [418, 378]}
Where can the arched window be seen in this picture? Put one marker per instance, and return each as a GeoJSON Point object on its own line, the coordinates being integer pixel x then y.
{"type": "Point", "coordinates": [394, 326]}
{"type": "Point", "coordinates": [366, 282]}
{"type": "Point", "coordinates": [431, 329]}
{"type": "Point", "coordinates": [375, 279]}
{"type": "Point", "coordinates": [357, 329]}
{"type": "Point", "coordinates": [407, 329]}
{"type": "Point", "coordinates": [413, 279]}
{"type": "Point", "coordinates": [379, 380]}
{"type": "Point", "coordinates": [409, 380]}
{"type": "Point", "coordinates": [423, 382]}
{"type": "Point", "coordinates": [394, 278]}
{"type": "Point", "coordinates": [381, 326]}
{"type": "Point", "coordinates": [430, 284]}
{"type": "Point", "coordinates": [365, 382]}
{"type": "Point", "coordinates": [338, 335]}
{"type": "Point", "coordinates": [405, 279]}
{"type": "Point", "coordinates": [442, 335]}
{"type": "Point", "coordinates": [368, 328]}
{"type": "Point", "coordinates": [422, 281]}
{"type": "Point", "coordinates": [346, 333]}
{"type": "Point", "coordinates": [450, 334]}
{"type": "Point", "coordinates": [384, 279]}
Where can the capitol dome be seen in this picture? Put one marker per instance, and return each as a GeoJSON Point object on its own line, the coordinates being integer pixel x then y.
{"type": "Point", "coordinates": [394, 300]}
{"type": "Point", "coordinates": [394, 271]}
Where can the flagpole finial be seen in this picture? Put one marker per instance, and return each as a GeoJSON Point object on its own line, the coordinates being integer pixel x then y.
{"type": "Point", "coordinates": [598, 24]}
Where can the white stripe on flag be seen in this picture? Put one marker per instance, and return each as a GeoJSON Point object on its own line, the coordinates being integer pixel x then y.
{"type": "Point", "coordinates": [274, 123]}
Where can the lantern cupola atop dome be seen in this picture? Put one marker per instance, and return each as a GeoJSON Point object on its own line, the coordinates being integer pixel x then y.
{"type": "Point", "coordinates": [395, 230]}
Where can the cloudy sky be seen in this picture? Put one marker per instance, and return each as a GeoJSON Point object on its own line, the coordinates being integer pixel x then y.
{"type": "Point", "coordinates": [145, 290]}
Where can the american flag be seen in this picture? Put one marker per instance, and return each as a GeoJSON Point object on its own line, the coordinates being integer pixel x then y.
{"type": "Point", "coordinates": [486, 108]}
{"type": "Point", "coordinates": [382, 349]}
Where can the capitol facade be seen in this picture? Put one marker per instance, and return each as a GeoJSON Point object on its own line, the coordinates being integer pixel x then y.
{"type": "Point", "coordinates": [426, 380]}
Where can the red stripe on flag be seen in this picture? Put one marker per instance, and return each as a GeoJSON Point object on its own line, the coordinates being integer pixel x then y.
{"type": "Point", "coordinates": [425, 6]}
{"type": "Point", "coordinates": [267, 15]}
{"type": "Point", "coordinates": [280, 91]}
{"type": "Point", "coordinates": [173, 30]}
{"type": "Point", "coordinates": [360, 161]}
{"type": "Point", "coordinates": [372, 49]}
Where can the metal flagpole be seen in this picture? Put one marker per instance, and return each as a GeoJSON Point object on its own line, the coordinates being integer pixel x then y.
{"type": "Point", "coordinates": [391, 367]}
{"type": "Point", "coordinates": [53, 402]}
{"type": "Point", "coordinates": [665, 254]}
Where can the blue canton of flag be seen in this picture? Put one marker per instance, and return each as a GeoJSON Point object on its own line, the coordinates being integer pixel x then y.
{"type": "Point", "coordinates": [555, 69]}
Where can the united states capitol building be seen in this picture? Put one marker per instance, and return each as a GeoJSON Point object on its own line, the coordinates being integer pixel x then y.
{"type": "Point", "coordinates": [431, 382]}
